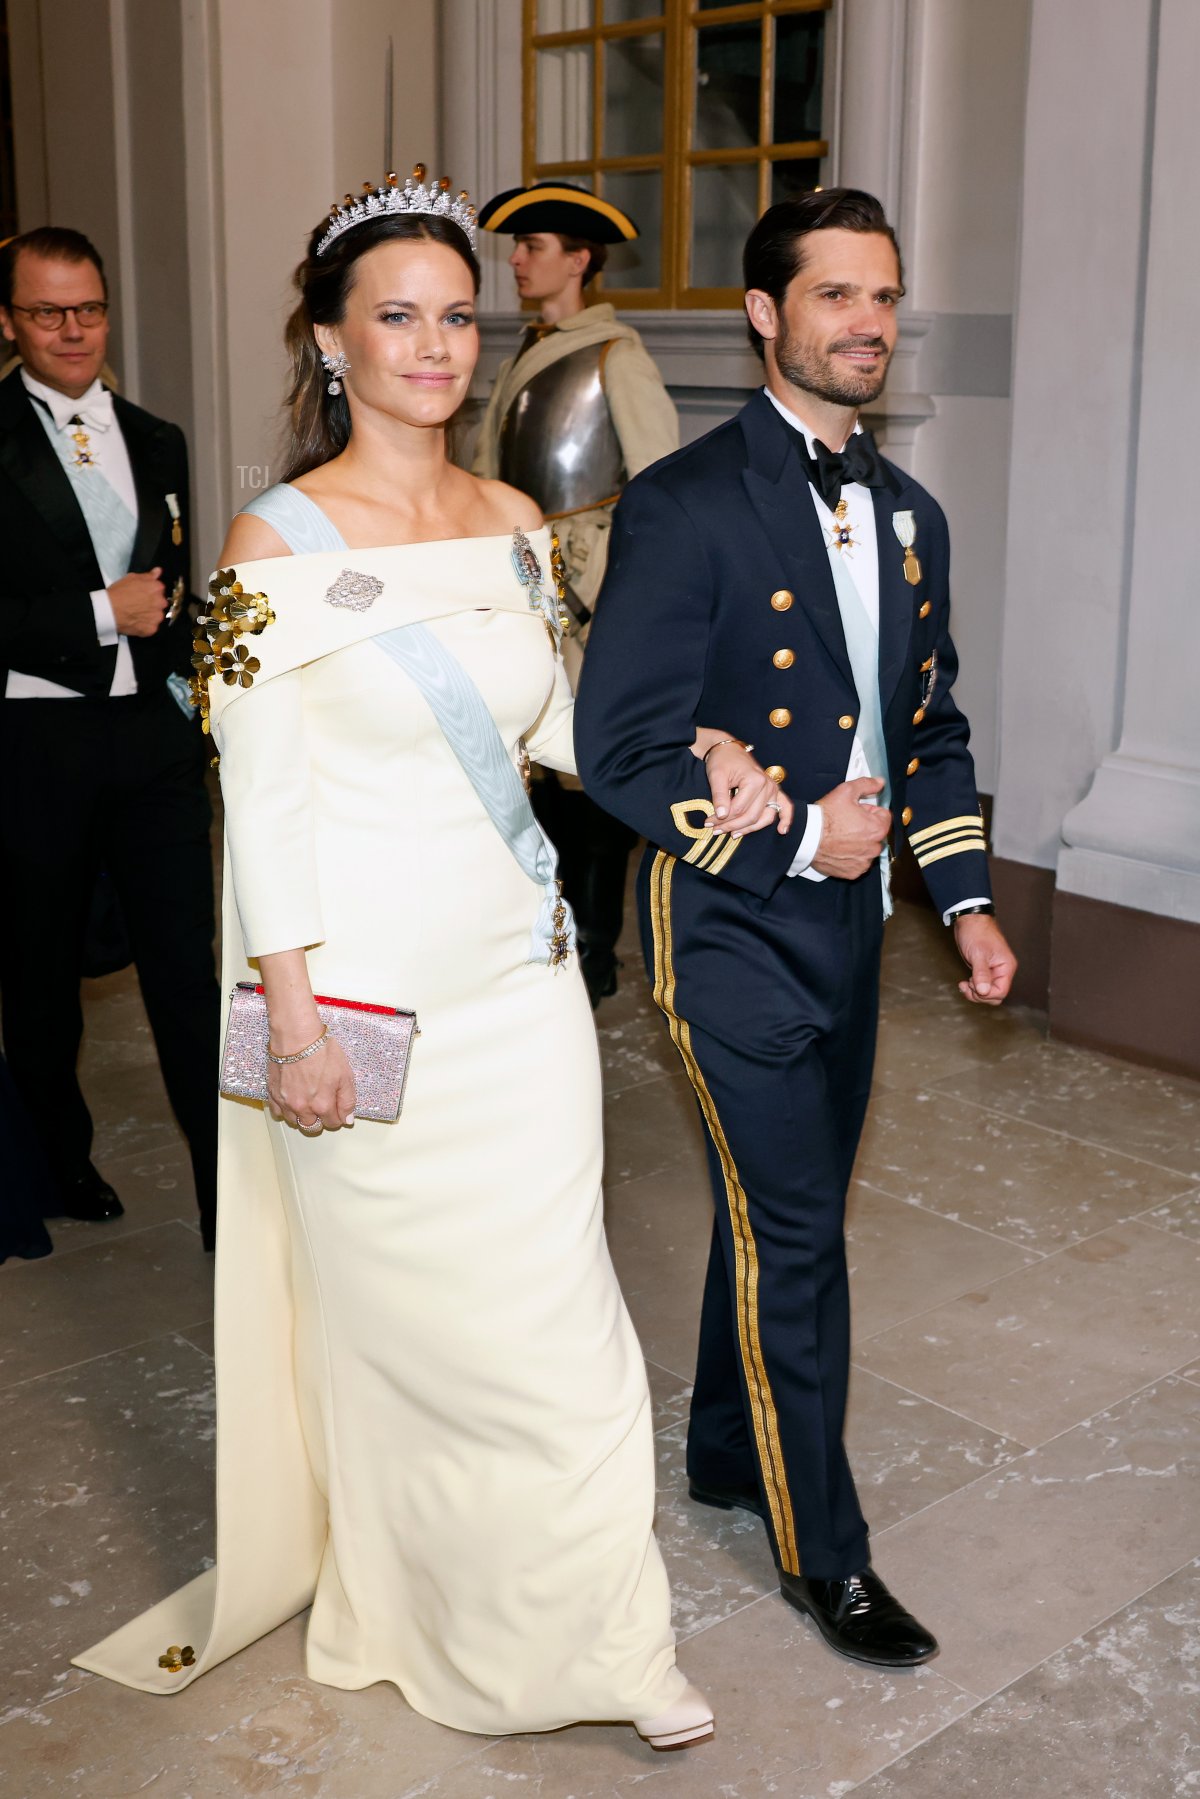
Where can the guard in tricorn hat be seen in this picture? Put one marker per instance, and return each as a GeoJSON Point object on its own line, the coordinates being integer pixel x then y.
{"type": "Point", "coordinates": [577, 412]}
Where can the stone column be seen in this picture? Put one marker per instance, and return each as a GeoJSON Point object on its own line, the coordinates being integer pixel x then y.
{"type": "Point", "coordinates": [280, 120]}
{"type": "Point", "coordinates": [1135, 839]}
{"type": "Point", "coordinates": [1075, 372]}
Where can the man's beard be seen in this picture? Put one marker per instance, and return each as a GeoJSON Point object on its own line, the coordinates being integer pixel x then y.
{"type": "Point", "coordinates": [814, 373]}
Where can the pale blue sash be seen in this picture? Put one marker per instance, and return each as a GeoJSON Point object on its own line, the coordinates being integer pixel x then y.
{"type": "Point", "coordinates": [862, 647]}
{"type": "Point", "coordinates": [460, 709]}
{"type": "Point", "coordinates": [111, 526]}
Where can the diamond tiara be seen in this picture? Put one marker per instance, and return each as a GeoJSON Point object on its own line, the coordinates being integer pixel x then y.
{"type": "Point", "coordinates": [390, 199]}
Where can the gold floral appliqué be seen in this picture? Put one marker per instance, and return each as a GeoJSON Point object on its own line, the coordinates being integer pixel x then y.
{"type": "Point", "coordinates": [228, 613]}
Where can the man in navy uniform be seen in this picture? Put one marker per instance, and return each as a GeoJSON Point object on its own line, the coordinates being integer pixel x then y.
{"type": "Point", "coordinates": [781, 577]}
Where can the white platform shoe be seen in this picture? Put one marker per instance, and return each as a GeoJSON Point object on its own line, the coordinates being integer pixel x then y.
{"type": "Point", "coordinates": [689, 1720]}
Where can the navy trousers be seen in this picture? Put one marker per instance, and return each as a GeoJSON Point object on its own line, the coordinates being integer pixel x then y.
{"type": "Point", "coordinates": [773, 1006]}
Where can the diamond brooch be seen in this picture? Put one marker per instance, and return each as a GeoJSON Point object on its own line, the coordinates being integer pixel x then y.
{"type": "Point", "coordinates": [354, 590]}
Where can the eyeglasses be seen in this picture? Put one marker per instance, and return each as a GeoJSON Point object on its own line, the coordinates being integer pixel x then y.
{"type": "Point", "coordinates": [51, 318]}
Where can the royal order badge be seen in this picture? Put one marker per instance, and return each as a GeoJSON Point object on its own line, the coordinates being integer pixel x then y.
{"type": "Point", "coordinates": [528, 571]}
{"type": "Point", "coordinates": [904, 524]}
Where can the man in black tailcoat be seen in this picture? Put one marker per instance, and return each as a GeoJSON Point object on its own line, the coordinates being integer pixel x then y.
{"type": "Point", "coordinates": [781, 579]}
{"type": "Point", "coordinates": [101, 757]}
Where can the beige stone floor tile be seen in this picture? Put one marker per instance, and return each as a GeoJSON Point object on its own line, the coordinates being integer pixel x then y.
{"type": "Point", "coordinates": [670, 1396]}
{"type": "Point", "coordinates": [1012, 1568]}
{"type": "Point", "coordinates": [903, 1260]}
{"type": "Point", "coordinates": [1181, 1215]}
{"type": "Point", "coordinates": [908, 1453]}
{"type": "Point", "coordinates": [200, 1336]}
{"type": "Point", "coordinates": [1041, 1349]}
{"type": "Point", "coordinates": [653, 1126]}
{"type": "Point", "coordinates": [923, 1042]}
{"type": "Point", "coordinates": [635, 1048]}
{"type": "Point", "coordinates": [253, 1726]}
{"type": "Point", "coordinates": [154, 1187]}
{"type": "Point", "coordinates": [659, 1228]}
{"type": "Point", "coordinates": [1096, 1098]}
{"type": "Point", "coordinates": [106, 1484]}
{"type": "Point", "coordinates": [1192, 1373]}
{"type": "Point", "coordinates": [1033, 1186]}
{"type": "Point", "coordinates": [917, 966]}
{"type": "Point", "coordinates": [116, 1030]}
{"type": "Point", "coordinates": [69, 1309]}
{"type": "Point", "coordinates": [717, 1562]}
{"type": "Point", "coordinates": [132, 1114]}
{"type": "Point", "coordinates": [1112, 1716]}
{"type": "Point", "coordinates": [793, 1722]}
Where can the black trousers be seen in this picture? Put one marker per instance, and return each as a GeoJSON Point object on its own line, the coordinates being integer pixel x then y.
{"type": "Point", "coordinates": [773, 1006]}
{"type": "Point", "coordinates": [118, 784]}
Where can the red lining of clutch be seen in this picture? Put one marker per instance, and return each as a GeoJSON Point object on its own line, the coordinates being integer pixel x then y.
{"type": "Point", "coordinates": [352, 1005]}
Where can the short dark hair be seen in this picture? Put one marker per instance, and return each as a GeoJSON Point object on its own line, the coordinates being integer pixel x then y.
{"type": "Point", "coordinates": [774, 252]}
{"type": "Point", "coordinates": [57, 242]}
{"type": "Point", "coordinates": [597, 253]}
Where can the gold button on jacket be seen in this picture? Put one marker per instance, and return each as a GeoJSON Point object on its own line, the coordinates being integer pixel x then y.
{"type": "Point", "coordinates": [846, 721]}
{"type": "Point", "coordinates": [906, 816]}
{"type": "Point", "coordinates": [783, 658]}
{"type": "Point", "coordinates": [780, 717]}
{"type": "Point", "coordinates": [782, 600]}
{"type": "Point", "coordinates": [918, 715]}
{"type": "Point", "coordinates": [913, 766]}
{"type": "Point", "coordinates": [776, 772]}
{"type": "Point", "coordinates": [926, 609]}
{"type": "Point", "coordinates": [926, 666]}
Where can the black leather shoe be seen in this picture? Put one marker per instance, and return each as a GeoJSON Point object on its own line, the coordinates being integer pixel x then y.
{"type": "Point", "coordinates": [728, 1499]}
{"type": "Point", "coordinates": [89, 1198]}
{"type": "Point", "coordinates": [859, 1618]}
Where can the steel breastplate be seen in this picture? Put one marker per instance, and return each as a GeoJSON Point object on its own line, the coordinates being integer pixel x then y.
{"type": "Point", "coordinates": [557, 441]}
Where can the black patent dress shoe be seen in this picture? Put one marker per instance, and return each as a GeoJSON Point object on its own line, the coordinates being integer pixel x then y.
{"type": "Point", "coordinates": [89, 1198]}
{"type": "Point", "coordinates": [859, 1618]}
{"type": "Point", "coordinates": [728, 1499]}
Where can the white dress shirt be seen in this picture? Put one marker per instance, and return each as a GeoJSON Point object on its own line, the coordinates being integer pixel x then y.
{"type": "Point", "coordinates": [862, 560]}
{"type": "Point", "coordinates": [112, 461]}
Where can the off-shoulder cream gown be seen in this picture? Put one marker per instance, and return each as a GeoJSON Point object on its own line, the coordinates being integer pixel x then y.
{"type": "Point", "coordinates": [433, 1419]}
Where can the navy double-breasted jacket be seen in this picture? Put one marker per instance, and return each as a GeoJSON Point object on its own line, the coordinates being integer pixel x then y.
{"type": "Point", "coordinates": [719, 608]}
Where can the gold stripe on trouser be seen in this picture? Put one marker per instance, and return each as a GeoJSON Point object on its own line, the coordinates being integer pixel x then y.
{"type": "Point", "coordinates": [762, 1402]}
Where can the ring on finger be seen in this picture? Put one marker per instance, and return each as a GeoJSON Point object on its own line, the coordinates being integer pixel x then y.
{"type": "Point", "coordinates": [772, 806]}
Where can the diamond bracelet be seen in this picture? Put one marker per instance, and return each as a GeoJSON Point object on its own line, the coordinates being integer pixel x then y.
{"type": "Point", "coordinates": [300, 1055]}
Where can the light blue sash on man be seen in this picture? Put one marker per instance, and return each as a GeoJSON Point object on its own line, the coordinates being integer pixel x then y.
{"type": "Point", "coordinates": [460, 709]}
{"type": "Point", "coordinates": [111, 525]}
{"type": "Point", "coordinates": [862, 646]}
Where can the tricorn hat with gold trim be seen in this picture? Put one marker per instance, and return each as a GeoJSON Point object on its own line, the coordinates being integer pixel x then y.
{"type": "Point", "coordinates": [559, 207]}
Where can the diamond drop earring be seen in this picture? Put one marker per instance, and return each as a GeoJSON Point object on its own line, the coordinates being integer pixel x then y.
{"type": "Point", "coordinates": [335, 368]}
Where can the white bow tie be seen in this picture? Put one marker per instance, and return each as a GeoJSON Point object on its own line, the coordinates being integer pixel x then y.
{"type": "Point", "coordinates": [95, 409]}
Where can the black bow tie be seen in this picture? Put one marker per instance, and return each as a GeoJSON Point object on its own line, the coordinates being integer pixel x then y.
{"type": "Point", "coordinates": [831, 470]}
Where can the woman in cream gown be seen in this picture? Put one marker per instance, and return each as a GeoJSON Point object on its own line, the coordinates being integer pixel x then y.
{"type": "Point", "coordinates": [433, 1416]}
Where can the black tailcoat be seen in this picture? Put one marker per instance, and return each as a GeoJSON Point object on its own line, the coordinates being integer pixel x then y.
{"type": "Point", "coordinates": [98, 782]}
{"type": "Point", "coordinates": [49, 571]}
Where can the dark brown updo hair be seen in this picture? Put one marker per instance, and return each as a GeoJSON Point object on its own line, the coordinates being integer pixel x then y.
{"type": "Point", "coordinates": [319, 422]}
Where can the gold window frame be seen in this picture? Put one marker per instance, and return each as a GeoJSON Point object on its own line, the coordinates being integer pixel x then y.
{"type": "Point", "coordinates": [679, 22]}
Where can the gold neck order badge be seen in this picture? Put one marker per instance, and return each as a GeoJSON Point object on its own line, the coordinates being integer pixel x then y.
{"type": "Point", "coordinates": [841, 532]}
{"type": "Point", "coordinates": [84, 456]}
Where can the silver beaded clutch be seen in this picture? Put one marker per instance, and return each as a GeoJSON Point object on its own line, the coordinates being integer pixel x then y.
{"type": "Point", "coordinates": [377, 1041]}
